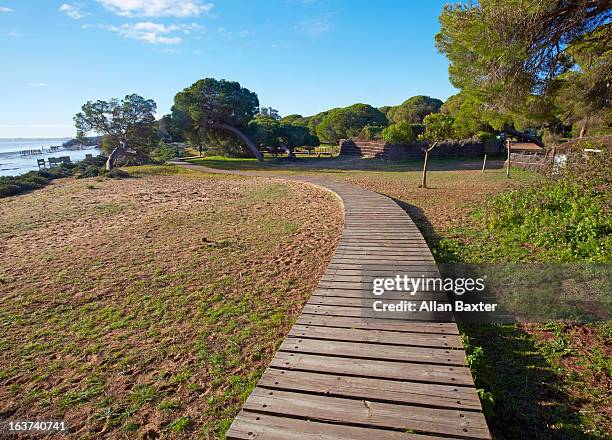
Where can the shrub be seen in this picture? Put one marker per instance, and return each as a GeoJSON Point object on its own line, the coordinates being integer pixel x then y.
{"type": "Point", "coordinates": [371, 133]}
{"type": "Point", "coordinates": [90, 167]}
{"type": "Point", "coordinates": [117, 173]}
{"type": "Point", "coordinates": [165, 152]}
{"type": "Point", "coordinates": [89, 171]}
{"type": "Point", "coordinates": [566, 218]}
{"type": "Point", "coordinates": [398, 133]}
{"type": "Point", "coordinates": [14, 185]}
{"type": "Point", "coordinates": [9, 189]}
{"type": "Point", "coordinates": [54, 173]}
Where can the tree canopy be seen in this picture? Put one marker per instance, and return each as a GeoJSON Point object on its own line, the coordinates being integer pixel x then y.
{"type": "Point", "coordinates": [470, 118]}
{"type": "Point", "coordinates": [315, 120]}
{"type": "Point", "coordinates": [209, 106]}
{"type": "Point", "coordinates": [398, 133]}
{"type": "Point", "coordinates": [347, 122]}
{"type": "Point", "coordinates": [128, 126]}
{"type": "Point", "coordinates": [514, 57]}
{"type": "Point", "coordinates": [438, 127]}
{"type": "Point", "coordinates": [296, 120]}
{"type": "Point", "coordinates": [414, 109]}
{"type": "Point", "coordinates": [272, 134]}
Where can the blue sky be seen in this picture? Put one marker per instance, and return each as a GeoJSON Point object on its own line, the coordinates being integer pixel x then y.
{"type": "Point", "coordinates": [299, 56]}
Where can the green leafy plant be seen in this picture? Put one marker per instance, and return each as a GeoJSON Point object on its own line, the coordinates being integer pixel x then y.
{"type": "Point", "coordinates": [398, 133]}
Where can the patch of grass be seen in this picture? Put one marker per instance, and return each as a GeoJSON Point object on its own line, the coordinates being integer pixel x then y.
{"type": "Point", "coordinates": [109, 208]}
{"type": "Point", "coordinates": [180, 425]}
{"type": "Point", "coordinates": [267, 193]}
{"type": "Point", "coordinates": [168, 405]}
{"type": "Point", "coordinates": [94, 386]}
{"type": "Point", "coordinates": [142, 394]}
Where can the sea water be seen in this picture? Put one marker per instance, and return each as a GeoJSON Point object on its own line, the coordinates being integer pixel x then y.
{"type": "Point", "coordinates": [13, 163]}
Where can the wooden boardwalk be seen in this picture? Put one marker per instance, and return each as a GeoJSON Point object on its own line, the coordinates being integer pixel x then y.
{"type": "Point", "coordinates": [340, 375]}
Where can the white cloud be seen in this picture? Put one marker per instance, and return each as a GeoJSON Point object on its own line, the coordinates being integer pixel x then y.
{"type": "Point", "coordinates": [4, 9]}
{"type": "Point", "coordinates": [158, 8]}
{"type": "Point", "coordinates": [40, 84]}
{"type": "Point", "coordinates": [315, 27]}
{"type": "Point", "coordinates": [244, 33]}
{"type": "Point", "coordinates": [72, 11]}
{"type": "Point", "coordinates": [154, 33]}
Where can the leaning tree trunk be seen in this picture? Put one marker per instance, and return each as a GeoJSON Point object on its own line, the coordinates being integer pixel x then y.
{"type": "Point", "coordinates": [245, 138]}
{"type": "Point", "coordinates": [114, 155]}
{"type": "Point", "coordinates": [289, 152]}
{"type": "Point", "coordinates": [583, 129]}
{"type": "Point", "coordinates": [524, 135]}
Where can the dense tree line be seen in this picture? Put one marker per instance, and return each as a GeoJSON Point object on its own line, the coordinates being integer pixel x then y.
{"type": "Point", "coordinates": [225, 117]}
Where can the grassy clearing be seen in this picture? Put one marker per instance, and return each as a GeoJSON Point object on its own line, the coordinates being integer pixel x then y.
{"type": "Point", "coordinates": [150, 306]}
{"type": "Point", "coordinates": [548, 381]}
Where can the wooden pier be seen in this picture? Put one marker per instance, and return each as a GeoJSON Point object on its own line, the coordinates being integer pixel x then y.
{"type": "Point", "coordinates": [342, 375]}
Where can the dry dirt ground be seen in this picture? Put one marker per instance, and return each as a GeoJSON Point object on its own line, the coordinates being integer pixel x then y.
{"type": "Point", "coordinates": [148, 307]}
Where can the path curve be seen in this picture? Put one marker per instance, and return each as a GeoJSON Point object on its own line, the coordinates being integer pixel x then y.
{"type": "Point", "coordinates": [342, 374]}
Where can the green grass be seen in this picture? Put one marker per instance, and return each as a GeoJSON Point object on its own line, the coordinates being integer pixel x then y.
{"type": "Point", "coordinates": [180, 425]}
{"type": "Point", "coordinates": [527, 384]}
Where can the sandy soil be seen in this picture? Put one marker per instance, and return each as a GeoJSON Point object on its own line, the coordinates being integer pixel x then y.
{"type": "Point", "coordinates": [149, 307]}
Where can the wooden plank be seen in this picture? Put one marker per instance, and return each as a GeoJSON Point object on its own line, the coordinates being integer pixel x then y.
{"type": "Point", "coordinates": [367, 301]}
{"type": "Point", "coordinates": [374, 351]}
{"type": "Point", "coordinates": [381, 390]}
{"type": "Point", "coordinates": [376, 336]}
{"type": "Point", "coordinates": [395, 247]}
{"type": "Point", "coordinates": [368, 413]}
{"type": "Point", "coordinates": [394, 269]}
{"type": "Point", "coordinates": [378, 324]}
{"type": "Point", "coordinates": [249, 426]}
{"type": "Point", "coordinates": [381, 259]}
{"type": "Point", "coordinates": [430, 373]}
{"type": "Point", "coordinates": [378, 274]}
{"type": "Point", "coordinates": [367, 294]}
{"type": "Point", "coordinates": [317, 309]}
{"type": "Point", "coordinates": [367, 279]}
{"type": "Point", "coordinates": [339, 284]}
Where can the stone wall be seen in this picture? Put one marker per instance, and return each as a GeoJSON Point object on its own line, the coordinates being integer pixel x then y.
{"type": "Point", "coordinates": [413, 150]}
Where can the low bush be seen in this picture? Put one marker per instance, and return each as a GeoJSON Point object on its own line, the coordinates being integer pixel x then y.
{"type": "Point", "coordinates": [565, 218]}
{"type": "Point", "coordinates": [90, 167]}
{"type": "Point", "coordinates": [371, 133]}
{"type": "Point", "coordinates": [398, 133]}
{"type": "Point", "coordinates": [165, 152]}
{"type": "Point", "coordinates": [116, 173]}
{"type": "Point", "coordinates": [14, 185]}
